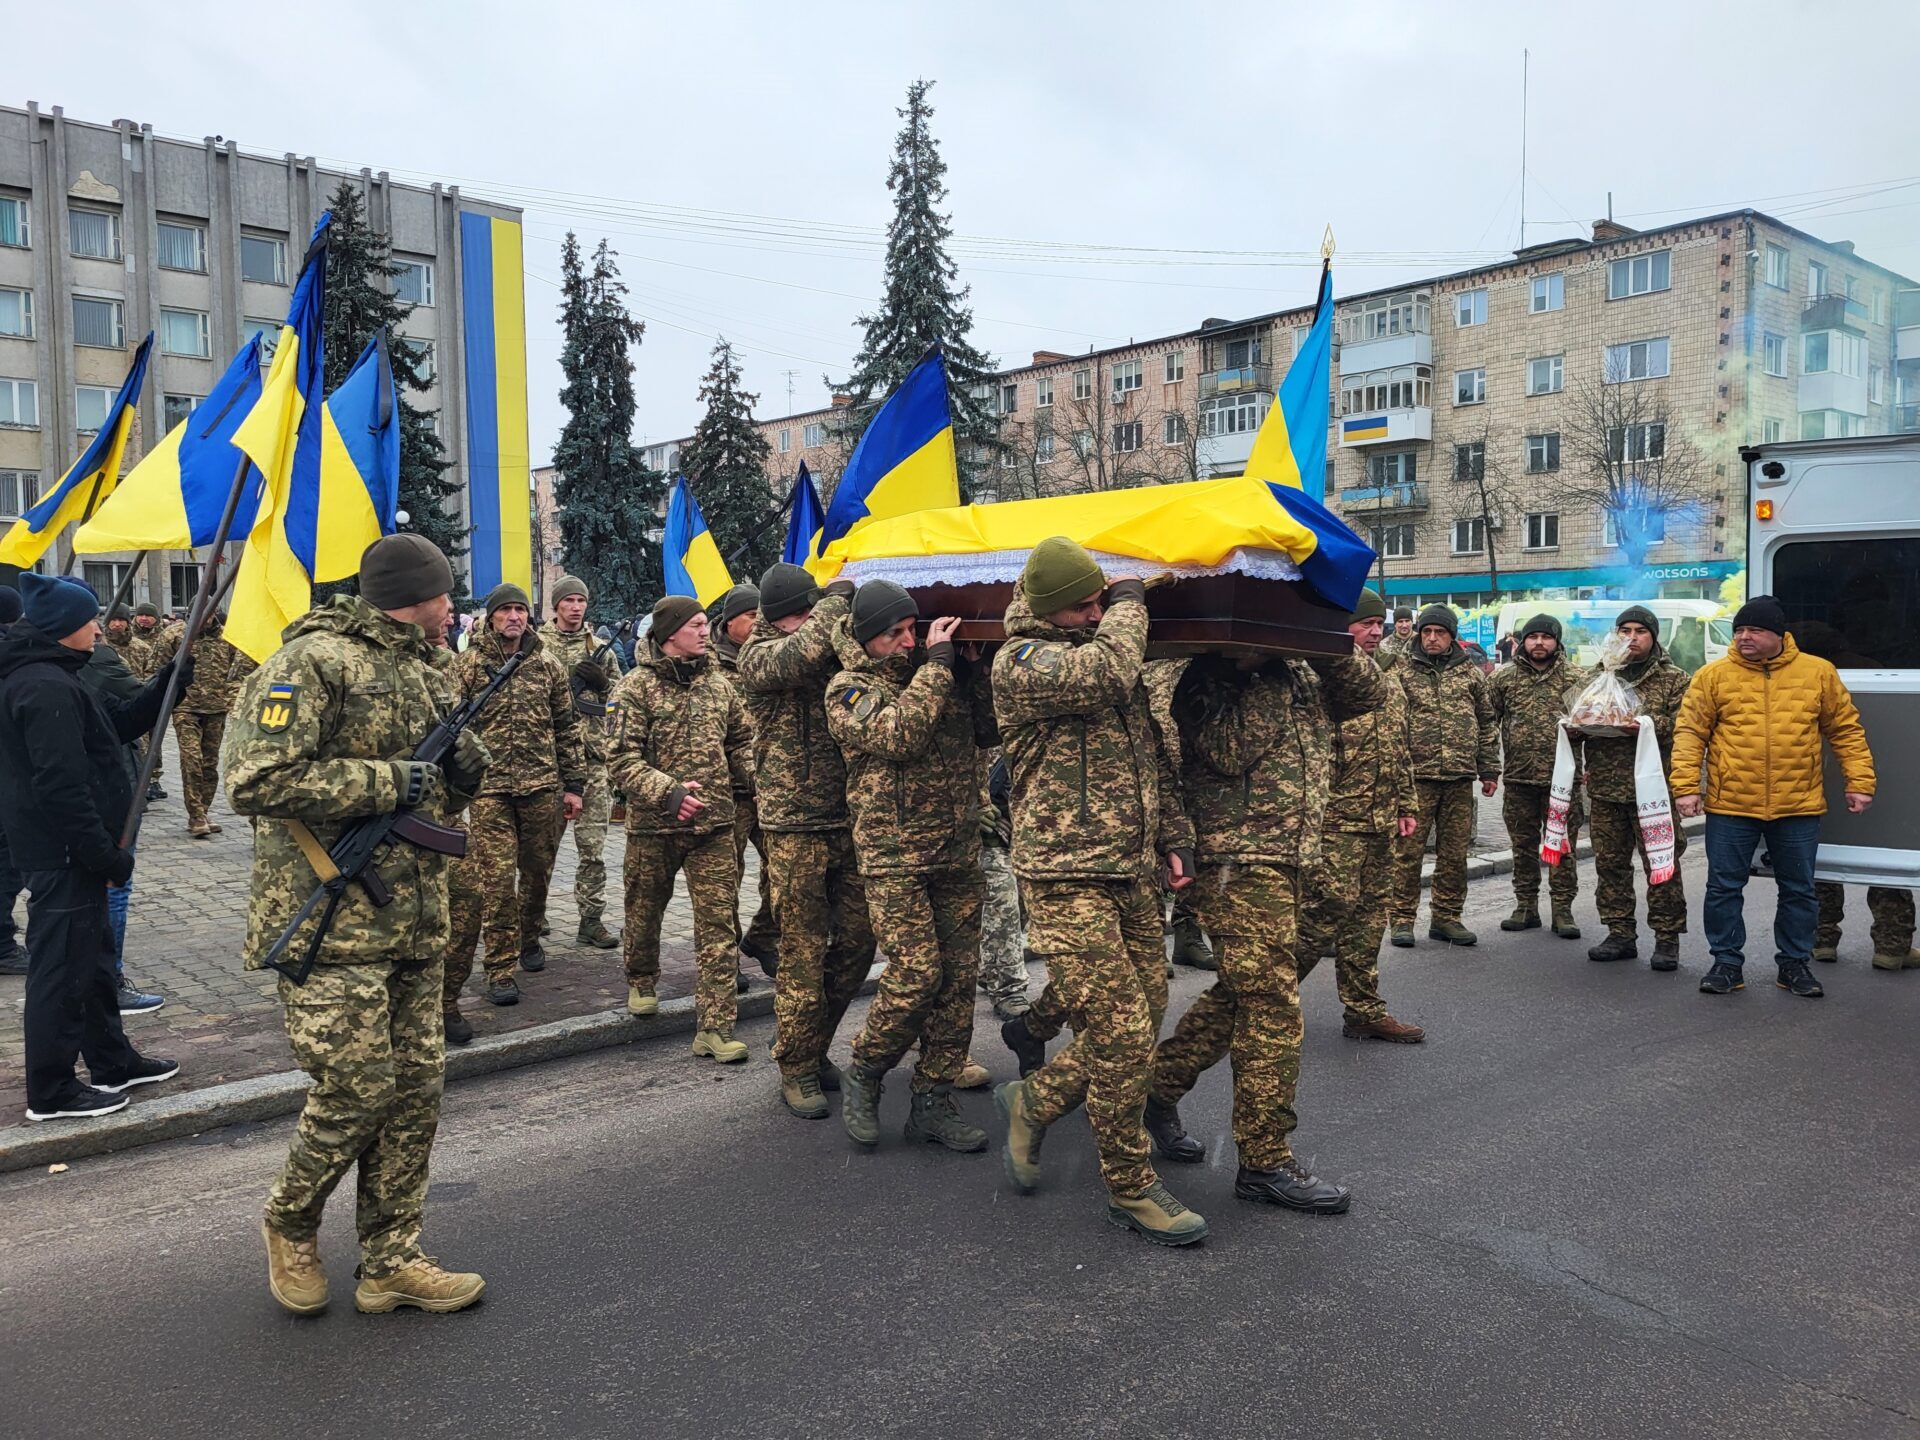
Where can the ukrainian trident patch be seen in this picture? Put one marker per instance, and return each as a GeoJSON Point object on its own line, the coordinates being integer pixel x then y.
{"type": "Point", "coordinates": [276, 710]}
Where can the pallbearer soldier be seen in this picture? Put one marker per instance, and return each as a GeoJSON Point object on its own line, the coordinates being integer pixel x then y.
{"type": "Point", "coordinates": [1529, 696]}
{"type": "Point", "coordinates": [315, 732]}
{"type": "Point", "coordinates": [593, 667]}
{"type": "Point", "coordinates": [681, 746]}
{"type": "Point", "coordinates": [739, 610]}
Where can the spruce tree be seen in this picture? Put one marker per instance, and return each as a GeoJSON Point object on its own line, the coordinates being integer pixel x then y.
{"type": "Point", "coordinates": [923, 302]}
{"type": "Point", "coordinates": [609, 501]}
{"type": "Point", "coordinates": [726, 464]}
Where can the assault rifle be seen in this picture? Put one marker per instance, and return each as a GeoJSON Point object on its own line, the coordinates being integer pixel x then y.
{"type": "Point", "coordinates": [352, 856]}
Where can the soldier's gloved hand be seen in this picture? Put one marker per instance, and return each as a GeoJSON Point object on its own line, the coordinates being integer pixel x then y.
{"type": "Point", "coordinates": [1127, 589]}
{"type": "Point", "coordinates": [592, 673]}
{"type": "Point", "coordinates": [467, 764]}
{"type": "Point", "coordinates": [417, 782]}
{"type": "Point", "coordinates": [842, 588]}
{"type": "Point", "coordinates": [182, 665]}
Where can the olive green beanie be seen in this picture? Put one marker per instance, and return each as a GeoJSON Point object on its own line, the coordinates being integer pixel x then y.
{"type": "Point", "coordinates": [568, 585]}
{"type": "Point", "coordinates": [1368, 607]}
{"type": "Point", "coordinates": [506, 593]}
{"type": "Point", "coordinates": [1060, 574]}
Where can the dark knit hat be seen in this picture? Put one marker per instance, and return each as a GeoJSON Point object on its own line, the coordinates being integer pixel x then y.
{"type": "Point", "coordinates": [57, 605]}
{"type": "Point", "coordinates": [878, 606]}
{"type": "Point", "coordinates": [506, 593]}
{"type": "Point", "coordinates": [1438, 615]}
{"type": "Point", "coordinates": [148, 609]}
{"type": "Point", "coordinates": [1637, 615]}
{"type": "Point", "coordinates": [1542, 624]}
{"type": "Point", "coordinates": [1763, 612]}
{"type": "Point", "coordinates": [9, 604]}
{"type": "Point", "coordinates": [1368, 607]}
{"type": "Point", "coordinates": [401, 570]}
{"type": "Point", "coordinates": [672, 613]}
{"type": "Point", "coordinates": [738, 601]}
{"type": "Point", "coordinates": [1403, 613]}
{"type": "Point", "coordinates": [568, 585]}
{"type": "Point", "coordinates": [119, 612]}
{"type": "Point", "coordinates": [1060, 573]}
{"type": "Point", "coordinates": [786, 590]}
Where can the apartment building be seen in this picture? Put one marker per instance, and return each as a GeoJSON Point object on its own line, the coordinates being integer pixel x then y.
{"type": "Point", "coordinates": [109, 231]}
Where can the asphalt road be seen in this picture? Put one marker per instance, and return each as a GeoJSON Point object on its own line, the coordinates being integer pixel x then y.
{"type": "Point", "coordinates": [1596, 1203]}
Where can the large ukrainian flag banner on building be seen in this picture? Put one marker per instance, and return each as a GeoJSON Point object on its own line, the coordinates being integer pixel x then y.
{"type": "Point", "coordinates": [499, 462]}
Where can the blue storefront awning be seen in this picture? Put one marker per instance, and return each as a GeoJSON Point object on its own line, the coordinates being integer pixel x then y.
{"type": "Point", "coordinates": [1521, 581]}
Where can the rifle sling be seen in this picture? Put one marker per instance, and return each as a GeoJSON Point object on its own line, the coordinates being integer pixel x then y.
{"type": "Point", "coordinates": [315, 852]}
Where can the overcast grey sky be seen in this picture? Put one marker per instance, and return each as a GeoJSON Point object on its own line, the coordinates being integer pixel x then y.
{"type": "Point", "coordinates": [1191, 128]}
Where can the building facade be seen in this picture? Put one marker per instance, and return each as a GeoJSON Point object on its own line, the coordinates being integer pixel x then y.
{"type": "Point", "coordinates": [109, 231]}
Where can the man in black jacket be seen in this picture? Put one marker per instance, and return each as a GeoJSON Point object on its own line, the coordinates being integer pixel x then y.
{"type": "Point", "coordinates": [63, 792]}
{"type": "Point", "coordinates": [13, 955]}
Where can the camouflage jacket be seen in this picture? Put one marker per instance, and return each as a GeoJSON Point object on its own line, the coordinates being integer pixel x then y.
{"type": "Point", "coordinates": [911, 734]}
{"type": "Point", "coordinates": [1161, 677]}
{"type": "Point", "coordinates": [215, 672]}
{"type": "Point", "coordinates": [727, 655]}
{"type": "Point", "coordinates": [1527, 705]}
{"type": "Point", "coordinates": [313, 738]}
{"type": "Point", "coordinates": [674, 721]}
{"type": "Point", "coordinates": [529, 726]}
{"type": "Point", "coordinates": [1372, 767]}
{"type": "Point", "coordinates": [149, 647]}
{"type": "Point", "coordinates": [1259, 766]}
{"type": "Point", "coordinates": [799, 775]}
{"type": "Point", "coordinates": [570, 648]}
{"type": "Point", "coordinates": [1661, 686]}
{"type": "Point", "coordinates": [1393, 650]}
{"type": "Point", "coordinates": [132, 650]}
{"type": "Point", "coordinates": [1449, 717]}
{"type": "Point", "coordinates": [1093, 794]}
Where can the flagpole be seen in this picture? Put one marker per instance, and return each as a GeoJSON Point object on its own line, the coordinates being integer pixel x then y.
{"type": "Point", "coordinates": [93, 499]}
{"type": "Point", "coordinates": [123, 592]}
{"type": "Point", "coordinates": [203, 601]}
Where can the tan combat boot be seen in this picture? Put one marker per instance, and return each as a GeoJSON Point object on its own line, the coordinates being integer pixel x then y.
{"type": "Point", "coordinates": [1158, 1216]}
{"type": "Point", "coordinates": [723, 1048]}
{"type": "Point", "coordinates": [423, 1285]}
{"type": "Point", "coordinates": [803, 1096]}
{"type": "Point", "coordinates": [1021, 1155]}
{"type": "Point", "coordinates": [1908, 961]}
{"type": "Point", "coordinates": [973, 1076]}
{"type": "Point", "coordinates": [642, 1002]}
{"type": "Point", "coordinates": [294, 1274]}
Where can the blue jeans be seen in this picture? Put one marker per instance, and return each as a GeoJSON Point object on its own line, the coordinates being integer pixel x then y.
{"type": "Point", "coordinates": [1791, 842]}
{"type": "Point", "coordinates": [117, 898]}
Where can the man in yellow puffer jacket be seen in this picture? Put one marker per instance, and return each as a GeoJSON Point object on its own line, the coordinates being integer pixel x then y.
{"type": "Point", "coordinates": [1751, 725]}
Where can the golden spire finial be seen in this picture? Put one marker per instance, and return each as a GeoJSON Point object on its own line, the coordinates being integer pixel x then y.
{"type": "Point", "coordinates": [1326, 245]}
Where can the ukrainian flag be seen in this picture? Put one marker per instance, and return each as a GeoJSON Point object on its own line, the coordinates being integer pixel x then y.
{"type": "Point", "coordinates": [92, 478]}
{"type": "Point", "coordinates": [804, 522]}
{"type": "Point", "coordinates": [905, 460]}
{"type": "Point", "coordinates": [329, 526]}
{"type": "Point", "coordinates": [688, 552]}
{"type": "Point", "coordinates": [499, 460]}
{"type": "Point", "coordinates": [1291, 448]}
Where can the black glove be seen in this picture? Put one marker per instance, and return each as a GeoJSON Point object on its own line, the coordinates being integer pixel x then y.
{"type": "Point", "coordinates": [1189, 868]}
{"type": "Point", "coordinates": [592, 673]}
{"type": "Point", "coordinates": [182, 664]}
{"type": "Point", "coordinates": [466, 765]}
{"type": "Point", "coordinates": [416, 780]}
{"type": "Point", "coordinates": [1127, 590]}
{"type": "Point", "coordinates": [842, 588]}
{"type": "Point", "coordinates": [941, 653]}
{"type": "Point", "coordinates": [120, 867]}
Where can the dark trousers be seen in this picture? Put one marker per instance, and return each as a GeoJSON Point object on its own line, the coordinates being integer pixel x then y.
{"type": "Point", "coordinates": [73, 1001]}
{"type": "Point", "coordinates": [10, 887]}
{"type": "Point", "coordinates": [1791, 843]}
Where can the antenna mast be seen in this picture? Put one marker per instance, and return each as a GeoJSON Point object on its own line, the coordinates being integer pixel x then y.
{"type": "Point", "coordinates": [1523, 149]}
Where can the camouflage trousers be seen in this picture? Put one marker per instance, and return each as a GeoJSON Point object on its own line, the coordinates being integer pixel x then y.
{"type": "Point", "coordinates": [826, 941]}
{"type": "Point", "coordinates": [1003, 940]}
{"type": "Point", "coordinates": [370, 1037]}
{"type": "Point", "coordinates": [713, 885]}
{"type": "Point", "coordinates": [498, 892]}
{"type": "Point", "coordinates": [1252, 1012]}
{"type": "Point", "coordinates": [1345, 910]}
{"type": "Point", "coordinates": [762, 932]}
{"type": "Point", "coordinates": [1615, 828]}
{"type": "Point", "coordinates": [1444, 809]}
{"type": "Point", "coordinates": [1524, 808]}
{"type": "Point", "coordinates": [590, 844]}
{"type": "Point", "coordinates": [1107, 961]}
{"type": "Point", "coordinates": [1892, 912]}
{"type": "Point", "coordinates": [929, 926]}
{"type": "Point", "coordinates": [198, 739]}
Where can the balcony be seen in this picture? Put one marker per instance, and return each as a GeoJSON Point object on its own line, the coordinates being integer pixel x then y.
{"type": "Point", "coordinates": [1833, 312]}
{"type": "Point", "coordinates": [1385, 353]}
{"type": "Point", "coordinates": [1386, 427]}
{"type": "Point", "coordinates": [1397, 498]}
{"type": "Point", "coordinates": [1235, 380]}
{"type": "Point", "coordinates": [1907, 343]}
{"type": "Point", "coordinates": [1906, 419]}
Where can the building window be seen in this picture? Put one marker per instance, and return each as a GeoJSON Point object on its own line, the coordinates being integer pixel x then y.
{"type": "Point", "coordinates": [1543, 530]}
{"type": "Point", "coordinates": [182, 247]}
{"type": "Point", "coordinates": [1544, 375]}
{"type": "Point", "coordinates": [814, 434]}
{"type": "Point", "coordinates": [1772, 431]}
{"type": "Point", "coordinates": [1833, 352]}
{"type": "Point", "coordinates": [175, 408]}
{"type": "Point", "coordinates": [1043, 448]}
{"type": "Point", "coordinates": [1470, 308]}
{"type": "Point", "coordinates": [93, 234]}
{"type": "Point", "coordinates": [1773, 351]}
{"type": "Point", "coordinates": [1876, 385]}
{"type": "Point", "coordinates": [1469, 537]}
{"type": "Point", "coordinates": [104, 576]}
{"type": "Point", "coordinates": [19, 404]}
{"type": "Point", "coordinates": [1638, 275]}
{"type": "Point", "coordinates": [19, 490]}
{"type": "Point", "coordinates": [1779, 265]}
{"type": "Point", "coordinates": [1879, 307]}
{"type": "Point", "coordinates": [184, 332]}
{"type": "Point", "coordinates": [1393, 542]}
{"type": "Point", "coordinates": [1009, 458]}
{"type": "Point", "coordinates": [1043, 392]}
{"type": "Point", "coordinates": [14, 230]}
{"type": "Point", "coordinates": [1173, 430]}
{"type": "Point", "coordinates": [16, 313]}
{"type": "Point", "coordinates": [98, 322]}
{"type": "Point", "coordinates": [1242, 353]}
{"type": "Point", "coordinates": [1009, 399]}
{"type": "Point", "coordinates": [1395, 468]}
{"type": "Point", "coordinates": [1469, 387]}
{"type": "Point", "coordinates": [1636, 442]}
{"type": "Point", "coordinates": [267, 330]}
{"type": "Point", "coordinates": [1816, 279]}
{"type": "Point", "coordinates": [1083, 384]}
{"type": "Point", "coordinates": [1653, 524]}
{"type": "Point", "coordinates": [1470, 461]}
{"type": "Point", "coordinates": [1128, 437]}
{"type": "Point", "coordinates": [1637, 360]}
{"type": "Point", "coordinates": [1083, 443]}
{"type": "Point", "coordinates": [1126, 377]}
{"type": "Point", "coordinates": [423, 353]}
{"type": "Point", "coordinates": [1543, 453]}
{"type": "Point", "coordinates": [413, 282]}
{"type": "Point", "coordinates": [1406, 387]}
{"type": "Point", "coordinates": [1831, 425]}
{"type": "Point", "coordinates": [90, 404]}
{"type": "Point", "coordinates": [1549, 293]}
{"type": "Point", "coordinates": [263, 259]}
{"type": "Point", "coordinates": [183, 583]}
{"type": "Point", "coordinates": [1175, 367]}
{"type": "Point", "coordinates": [1232, 415]}
{"type": "Point", "coordinates": [1384, 318]}
{"type": "Point", "coordinates": [786, 441]}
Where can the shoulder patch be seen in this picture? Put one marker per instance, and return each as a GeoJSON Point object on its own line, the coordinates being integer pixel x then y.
{"type": "Point", "coordinates": [1038, 655]}
{"type": "Point", "coordinates": [277, 707]}
{"type": "Point", "coordinates": [860, 700]}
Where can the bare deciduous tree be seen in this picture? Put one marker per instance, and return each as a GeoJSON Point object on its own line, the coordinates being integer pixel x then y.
{"type": "Point", "coordinates": [1097, 438]}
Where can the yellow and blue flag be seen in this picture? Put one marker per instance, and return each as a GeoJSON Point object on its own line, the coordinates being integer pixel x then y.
{"type": "Point", "coordinates": [330, 525]}
{"type": "Point", "coordinates": [688, 552]}
{"type": "Point", "coordinates": [805, 521]}
{"type": "Point", "coordinates": [905, 460]}
{"type": "Point", "coordinates": [499, 460]}
{"type": "Point", "coordinates": [91, 480]}
{"type": "Point", "coordinates": [1291, 448]}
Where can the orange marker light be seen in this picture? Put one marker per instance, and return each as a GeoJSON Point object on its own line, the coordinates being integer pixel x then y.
{"type": "Point", "coordinates": [1763, 509]}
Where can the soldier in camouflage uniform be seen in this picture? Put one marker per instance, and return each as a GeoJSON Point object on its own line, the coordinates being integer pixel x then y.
{"type": "Point", "coordinates": [593, 668]}
{"type": "Point", "coordinates": [313, 747]}
{"type": "Point", "coordinates": [532, 789]}
{"type": "Point", "coordinates": [911, 735]}
{"type": "Point", "coordinates": [146, 629]}
{"type": "Point", "coordinates": [1450, 724]}
{"type": "Point", "coordinates": [1003, 931]}
{"type": "Point", "coordinates": [1892, 934]}
{"type": "Point", "coordinates": [681, 750]}
{"type": "Point", "coordinates": [119, 634]}
{"type": "Point", "coordinates": [739, 611]}
{"type": "Point", "coordinates": [1190, 945]}
{"type": "Point", "coordinates": [1371, 802]}
{"type": "Point", "coordinates": [1529, 697]}
{"type": "Point", "coordinates": [200, 716]}
{"type": "Point", "coordinates": [1613, 809]}
{"type": "Point", "coordinates": [1095, 806]}
{"type": "Point", "coordinates": [1395, 647]}
{"type": "Point", "coordinates": [819, 899]}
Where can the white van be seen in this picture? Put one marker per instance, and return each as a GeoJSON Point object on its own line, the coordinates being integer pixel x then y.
{"type": "Point", "coordinates": [1688, 628]}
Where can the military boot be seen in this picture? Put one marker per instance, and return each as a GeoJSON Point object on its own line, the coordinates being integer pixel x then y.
{"type": "Point", "coordinates": [1616, 947]}
{"type": "Point", "coordinates": [1451, 931]}
{"type": "Point", "coordinates": [1028, 1049]}
{"type": "Point", "coordinates": [1908, 961]}
{"type": "Point", "coordinates": [595, 933]}
{"type": "Point", "coordinates": [459, 1028]}
{"type": "Point", "coordinates": [1021, 1157]}
{"type": "Point", "coordinates": [533, 959]}
{"type": "Point", "coordinates": [1666, 952]}
{"type": "Point", "coordinates": [1401, 935]}
{"type": "Point", "coordinates": [724, 1048]}
{"type": "Point", "coordinates": [934, 1117]}
{"type": "Point", "coordinates": [767, 959]}
{"type": "Point", "coordinates": [860, 1104]}
{"type": "Point", "coordinates": [1170, 1138]}
{"type": "Point", "coordinates": [1563, 923]}
{"type": "Point", "coordinates": [503, 992]}
{"type": "Point", "coordinates": [973, 1076]}
{"type": "Point", "coordinates": [294, 1274]}
{"type": "Point", "coordinates": [1290, 1185]}
{"type": "Point", "coordinates": [1827, 953]}
{"type": "Point", "coordinates": [802, 1095]}
{"type": "Point", "coordinates": [1396, 1032]}
{"type": "Point", "coordinates": [423, 1285]}
{"type": "Point", "coordinates": [1190, 946]}
{"type": "Point", "coordinates": [1524, 917]}
{"type": "Point", "coordinates": [642, 1001]}
{"type": "Point", "coordinates": [1158, 1216]}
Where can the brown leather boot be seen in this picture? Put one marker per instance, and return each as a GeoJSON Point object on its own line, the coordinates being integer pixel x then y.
{"type": "Point", "coordinates": [1398, 1032]}
{"type": "Point", "coordinates": [294, 1274]}
{"type": "Point", "coordinates": [423, 1285]}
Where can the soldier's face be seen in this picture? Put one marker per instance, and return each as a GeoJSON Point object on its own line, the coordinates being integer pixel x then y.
{"type": "Point", "coordinates": [1639, 639]}
{"type": "Point", "coordinates": [1403, 628]}
{"type": "Point", "coordinates": [571, 611]}
{"type": "Point", "coordinates": [1540, 646]}
{"type": "Point", "coordinates": [689, 641]}
{"type": "Point", "coordinates": [117, 629]}
{"type": "Point", "coordinates": [146, 624]}
{"type": "Point", "coordinates": [1083, 616]}
{"type": "Point", "coordinates": [896, 640]}
{"type": "Point", "coordinates": [509, 621]}
{"type": "Point", "coordinates": [741, 626]}
{"type": "Point", "coordinates": [1368, 634]}
{"type": "Point", "coordinates": [1436, 639]}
